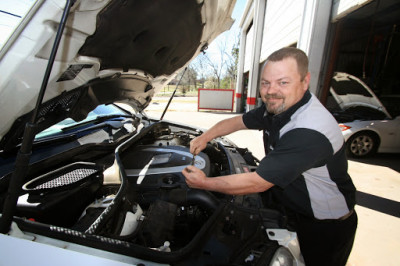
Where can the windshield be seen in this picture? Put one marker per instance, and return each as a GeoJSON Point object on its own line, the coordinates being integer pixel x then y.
{"type": "Point", "coordinates": [100, 111]}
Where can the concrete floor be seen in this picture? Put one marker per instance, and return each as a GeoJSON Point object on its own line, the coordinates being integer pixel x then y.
{"type": "Point", "coordinates": [377, 180]}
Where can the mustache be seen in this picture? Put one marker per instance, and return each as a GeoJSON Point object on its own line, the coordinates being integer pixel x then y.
{"type": "Point", "coordinates": [274, 96]}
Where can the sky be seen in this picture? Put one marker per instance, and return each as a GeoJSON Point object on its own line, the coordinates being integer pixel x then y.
{"type": "Point", "coordinates": [234, 30]}
{"type": "Point", "coordinates": [229, 37]}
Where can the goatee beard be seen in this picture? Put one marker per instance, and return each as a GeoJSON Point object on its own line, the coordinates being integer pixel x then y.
{"type": "Point", "coordinates": [276, 110]}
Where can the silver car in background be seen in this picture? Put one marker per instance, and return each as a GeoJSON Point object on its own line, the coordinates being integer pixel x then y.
{"type": "Point", "coordinates": [367, 125]}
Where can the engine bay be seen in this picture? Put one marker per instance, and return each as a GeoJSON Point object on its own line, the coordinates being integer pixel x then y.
{"type": "Point", "coordinates": [141, 200]}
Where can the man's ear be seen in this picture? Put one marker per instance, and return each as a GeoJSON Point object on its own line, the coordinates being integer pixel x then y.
{"type": "Point", "coordinates": [307, 81]}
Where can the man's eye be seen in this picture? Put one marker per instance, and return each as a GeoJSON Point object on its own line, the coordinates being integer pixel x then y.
{"type": "Point", "coordinates": [283, 83]}
{"type": "Point", "coordinates": [264, 83]}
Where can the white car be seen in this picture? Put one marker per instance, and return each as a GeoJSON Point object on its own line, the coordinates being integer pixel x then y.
{"type": "Point", "coordinates": [85, 182]}
{"type": "Point", "coordinates": [367, 126]}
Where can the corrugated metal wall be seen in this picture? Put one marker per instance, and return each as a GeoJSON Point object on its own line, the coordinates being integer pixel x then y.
{"type": "Point", "coordinates": [282, 25]}
{"type": "Point", "coordinates": [248, 50]}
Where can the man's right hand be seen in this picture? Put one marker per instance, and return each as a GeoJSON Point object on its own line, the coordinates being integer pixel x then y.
{"type": "Point", "coordinates": [197, 145]}
{"type": "Point", "coordinates": [222, 128]}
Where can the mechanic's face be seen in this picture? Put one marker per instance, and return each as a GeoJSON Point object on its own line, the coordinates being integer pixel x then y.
{"type": "Point", "coordinates": [282, 85]}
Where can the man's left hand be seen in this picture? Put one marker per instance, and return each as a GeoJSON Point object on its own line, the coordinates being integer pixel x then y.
{"type": "Point", "coordinates": [195, 178]}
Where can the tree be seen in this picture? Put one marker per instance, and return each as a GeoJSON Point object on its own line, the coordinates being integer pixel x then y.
{"type": "Point", "coordinates": [217, 66]}
{"type": "Point", "coordinates": [226, 82]}
{"type": "Point", "coordinates": [218, 63]}
{"type": "Point", "coordinates": [189, 78]}
{"type": "Point", "coordinates": [213, 63]}
{"type": "Point", "coordinates": [201, 69]}
{"type": "Point", "coordinates": [232, 62]}
{"type": "Point", "coordinates": [191, 75]}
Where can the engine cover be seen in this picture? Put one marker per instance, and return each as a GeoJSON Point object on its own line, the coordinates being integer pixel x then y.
{"type": "Point", "coordinates": [159, 166]}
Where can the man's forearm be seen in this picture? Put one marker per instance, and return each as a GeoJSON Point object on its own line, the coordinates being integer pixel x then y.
{"type": "Point", "coordinates": [224, 127]}
{"type": "Point", "coordinates": [237, 184]}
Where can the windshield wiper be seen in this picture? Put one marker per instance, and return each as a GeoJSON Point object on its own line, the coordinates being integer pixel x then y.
{"type": "Point", "coordinates": [95, 120]}
{"type": "Point", "coordinates": [75, 135]}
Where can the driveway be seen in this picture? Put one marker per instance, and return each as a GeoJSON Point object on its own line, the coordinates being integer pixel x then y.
{"type": "Point", "coordinates": [377, 180]}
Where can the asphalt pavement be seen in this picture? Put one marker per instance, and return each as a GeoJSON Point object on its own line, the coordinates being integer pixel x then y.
{"type": "Point", "coordinates": [377, 180]}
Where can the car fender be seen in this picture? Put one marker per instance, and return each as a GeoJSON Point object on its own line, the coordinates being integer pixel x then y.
{"type": "Point", "coordinates": [347, 134]}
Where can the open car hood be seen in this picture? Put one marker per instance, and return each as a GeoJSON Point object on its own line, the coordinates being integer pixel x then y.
{"type": "Point", "coordinates": [110, 51]}
{"type": "Point", "coordinates": [349, 91]}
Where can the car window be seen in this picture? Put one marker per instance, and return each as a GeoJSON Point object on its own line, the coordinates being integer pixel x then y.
{"type": "Point", "coordinates": [11, 15]}
{"type": "Point", "coordinates": [101, 110]}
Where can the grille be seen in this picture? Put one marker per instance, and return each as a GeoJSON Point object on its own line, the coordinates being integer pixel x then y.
{"type": "Point", "coordinates": [70, 175]}
{"type": "Point", "coordinates": [66, 179]}
{"type": "Point", "coordinates": [63, 102]}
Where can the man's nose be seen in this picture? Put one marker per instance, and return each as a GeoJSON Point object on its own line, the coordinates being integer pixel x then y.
{"type": "Point", "coordinates": [270, 89]}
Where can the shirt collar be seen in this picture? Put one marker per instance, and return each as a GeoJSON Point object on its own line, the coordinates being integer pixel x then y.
{"type": "Point", "coordinates": [289, 112]}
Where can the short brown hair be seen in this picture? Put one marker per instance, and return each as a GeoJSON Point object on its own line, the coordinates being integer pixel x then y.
{"type": "Point", "coordinates": [295, 53]}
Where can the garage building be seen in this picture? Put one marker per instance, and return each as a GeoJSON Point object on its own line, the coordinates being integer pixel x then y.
{"type": "Point", "coordinates": [359, 37]}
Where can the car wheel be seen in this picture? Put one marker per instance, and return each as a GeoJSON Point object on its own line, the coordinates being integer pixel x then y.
{"type": "Point", "coordinates": [362, 144]}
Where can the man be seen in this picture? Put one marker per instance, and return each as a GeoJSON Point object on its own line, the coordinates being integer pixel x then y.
{"type": "Point", "coordinates": [305, 160]}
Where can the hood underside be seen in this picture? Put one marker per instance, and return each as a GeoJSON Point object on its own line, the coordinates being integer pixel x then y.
{"type": "Point", "coordinates": [350, 92]}
{"type": "Point", "coordinates": [167, 33]}
{"type": "Point", "coordinates": [110, 51]}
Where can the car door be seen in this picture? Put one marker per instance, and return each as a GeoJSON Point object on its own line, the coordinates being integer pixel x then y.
{"type": "Point", "coordinates": [396, 122]}
{"type": "Point", "coordinates": [389, 133]}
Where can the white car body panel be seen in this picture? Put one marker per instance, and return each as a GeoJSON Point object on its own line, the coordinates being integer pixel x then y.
{"type": "Point", "coordinates": [387, 130]}
{"type": "Point", "coordinates": [57, 252]}
{"type": "Point", "coordinates": [352, 99]}
{"type": "Point", "coordinates": [24, 61]}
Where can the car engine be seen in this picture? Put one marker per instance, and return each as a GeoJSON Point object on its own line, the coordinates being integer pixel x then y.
{"type": "Point", "coordinates": [138, 197]}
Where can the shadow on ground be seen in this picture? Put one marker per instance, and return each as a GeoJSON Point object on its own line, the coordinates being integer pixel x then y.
{"type": "Point", "coordinates": [391, 160]}
{"type": "Point", "coordinates": [373, 202]}
{"type": "Point", "coordinates": [376, 203]}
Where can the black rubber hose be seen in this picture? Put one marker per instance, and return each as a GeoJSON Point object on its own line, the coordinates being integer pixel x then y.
{"type": "Point", "coordinates": [187, 197]}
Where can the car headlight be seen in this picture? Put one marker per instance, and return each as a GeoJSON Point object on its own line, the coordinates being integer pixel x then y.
{"type": "Point", "coordinates": [282, 257]}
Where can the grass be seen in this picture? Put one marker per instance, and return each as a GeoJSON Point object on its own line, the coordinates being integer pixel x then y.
{"type": "Point", "coordinates": [168, 90]}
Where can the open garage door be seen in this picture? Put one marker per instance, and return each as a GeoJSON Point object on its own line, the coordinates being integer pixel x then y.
{"type": "Point", "coordinates": [366, 43]}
